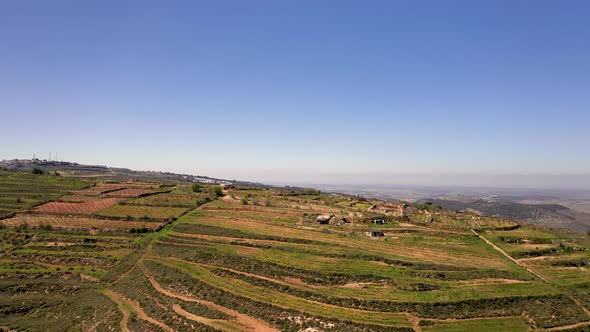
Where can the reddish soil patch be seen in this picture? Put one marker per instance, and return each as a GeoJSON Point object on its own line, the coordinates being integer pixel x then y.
{"type": "Point", "coordinates": [89, 206]}
{"type": "Point", "coordinates": [77, 198]}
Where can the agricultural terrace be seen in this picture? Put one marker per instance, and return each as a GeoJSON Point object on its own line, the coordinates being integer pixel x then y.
{"type": "Point", "coordinates": [54, 266]}
{"type": "Point", "coordinates": [256, 260]}
{"type": "Point", "coordinates": [79, 223]}
{"type": "Point", "coordinates": [130, 192]}
{"type": "Point", "coordinates": [87, 205]}
{"type": "Point", "coordinates": [50, 277]}
{"type": "Point", "coordinates": [171, 200]}
{"type": "Point", "coordinates": [263, 255]}
{"type": "Point", "coordinates": [99, 188]}
{"type": "Point", "coordinates": [558, 257]}
{"type": "Point", "coordinates": [141, 212]}
{"type": "Point", "coordinates": [22, 191]}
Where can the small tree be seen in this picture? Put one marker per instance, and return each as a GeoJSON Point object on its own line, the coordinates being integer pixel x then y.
{"type": "Point", "coordinates": [216, 191]}
{"type": "Point", "coordinates": [197, 188]}
{"type": "Point", "coordinates": [37, 170]}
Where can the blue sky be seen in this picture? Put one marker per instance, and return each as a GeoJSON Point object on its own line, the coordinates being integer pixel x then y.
{"type": "Point", "coordinates": [450, 92]}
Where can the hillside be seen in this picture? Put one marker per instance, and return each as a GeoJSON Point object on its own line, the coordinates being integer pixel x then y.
{"type": "Point", "coordinates": [91, 254]}
{"type": "Point", "coordinates": [540, 213]}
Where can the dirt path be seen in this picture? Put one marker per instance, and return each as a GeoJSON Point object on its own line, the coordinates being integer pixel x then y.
{"type": "Point", "coordinates": [350, 311]}
{"type": "Point", "coordinates": [578, 303]}
{"type": "Point", "coordinates": [567, 327]}
{"type": "Point", "coordinates": [500, 250]}
{"type": "Point", "coordinates": [128, 306]}
{"type": "Point", "coordinates": [487, 281]}
{"type": "Point", "coordinates": [277, 281]}
{"type": "Point", "coordinates": [219, 324]}
{"type": "Point", "coordinates": [124, 311]}
{"type": "Point", "coordinates": [119, 278]}
{"type": "Point", "coordinates": [249, 323]}
{"type": "Point", "coordinates": [415, 321]}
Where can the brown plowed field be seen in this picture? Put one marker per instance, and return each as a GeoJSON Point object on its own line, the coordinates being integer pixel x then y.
{"type": "Point", "coordinates": [87, 207]}
{"type": "Point", "coordinates": [77, 198]}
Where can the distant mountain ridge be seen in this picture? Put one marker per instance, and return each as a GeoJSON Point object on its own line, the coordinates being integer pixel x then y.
{"type": "Point", "coordinates": [550, 215]}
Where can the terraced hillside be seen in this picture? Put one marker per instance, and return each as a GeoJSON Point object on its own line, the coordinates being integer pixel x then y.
{"type": "Point", "coordinates": [262, 260]}
{"type": "Point", "coordinates": [22, 191]}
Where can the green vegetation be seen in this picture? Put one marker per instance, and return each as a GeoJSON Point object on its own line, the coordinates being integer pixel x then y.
{"type": "Point", "coordinates": [20, 191]}
{"type": "Point", "coordinates": [214, 263]}
{"type": "Point", "coordinates": [514, 324]}
{"type": "Point", "coordinates": [130, 212]}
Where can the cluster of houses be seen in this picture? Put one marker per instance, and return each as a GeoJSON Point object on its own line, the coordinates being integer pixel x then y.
{"type": "Point", "coordinates": [324, 219]}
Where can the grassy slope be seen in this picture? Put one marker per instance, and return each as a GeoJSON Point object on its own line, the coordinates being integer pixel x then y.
{"type": "Point", "coordinates": [21, 191]}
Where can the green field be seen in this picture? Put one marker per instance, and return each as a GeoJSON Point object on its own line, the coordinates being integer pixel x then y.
{"type": "Point", "coordinates": [515, 324]}
{"type": "Point", "coordinates": [21, 191]}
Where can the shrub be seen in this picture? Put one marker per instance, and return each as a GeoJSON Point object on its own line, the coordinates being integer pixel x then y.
{"type": "Point", "coordinates": [197, 188]}
{"type": "Point", "coordinates": [216, 191]}
{"type": "Point", "coordinates": [37, 170]}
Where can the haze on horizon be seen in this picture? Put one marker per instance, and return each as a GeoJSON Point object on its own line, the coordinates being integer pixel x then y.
{"type": "Point", "coordinates": [455, 93]}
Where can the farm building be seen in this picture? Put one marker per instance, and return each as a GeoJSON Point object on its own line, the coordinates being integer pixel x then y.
{"type": "Point", "coordinates": [375, 233]}
{"type": "Point", "coordinates": [324, 218]}
{"type": "Point", "coordinates": [379, 221]}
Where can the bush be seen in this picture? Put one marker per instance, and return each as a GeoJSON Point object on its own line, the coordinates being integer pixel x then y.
{"type": "Point", "coordinates": [309, 191]}
{"type": "Point", "coordinates": [37, 170]}
{"type": "Point", "coordinates": [197, 188]}
{"type": "Point", "coordinates": [215, 191]}
{"type": "Point", "coordinates": [45, 227]}
{"type": "Point", "coordinates": [140, 230]}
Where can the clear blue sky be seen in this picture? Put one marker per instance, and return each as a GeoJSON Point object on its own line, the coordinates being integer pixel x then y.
{"type": "Point", "coordinates": [302, 91]}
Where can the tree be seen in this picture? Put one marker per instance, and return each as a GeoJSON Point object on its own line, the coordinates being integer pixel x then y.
{"type": "Point", "coordinates": [37, 170]}
{"type": "Point", "coordinates": [309, 191]}
{"type": "Point", "coordinates": [216, 191]}
{"type": "Point", "coordinates": [197, 188]}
